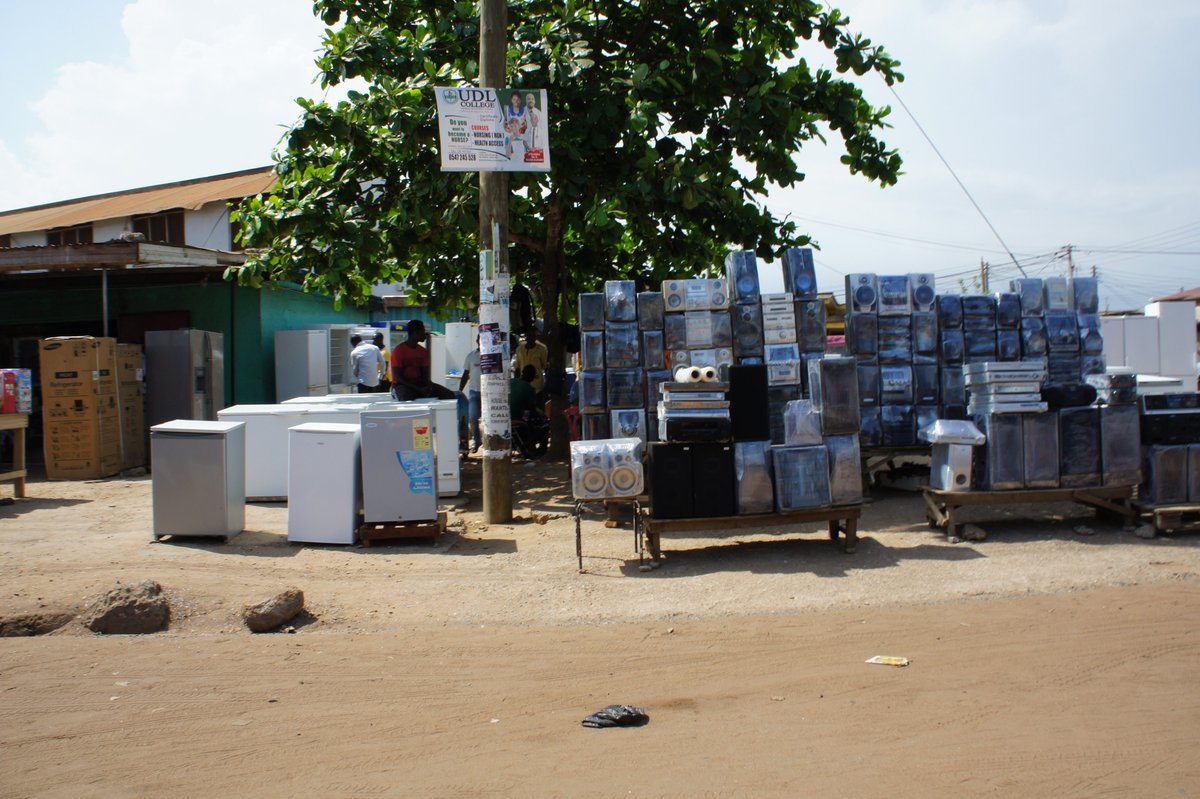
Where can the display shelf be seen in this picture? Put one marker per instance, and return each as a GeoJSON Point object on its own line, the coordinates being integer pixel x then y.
{"type": "Point", "coordinates": [1181, 518]}
{"type": "Point", "coordinates": [841, 519]}
{"type": "Point", "coordinates": [940, 506]}
{"type": "Point", "coordinates": [17, 423]}
{"type": "Point", "coordinates": [609, 503]}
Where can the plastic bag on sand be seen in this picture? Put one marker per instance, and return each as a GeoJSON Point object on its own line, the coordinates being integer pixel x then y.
{"type": "Point", "coordinates": [617, 716]}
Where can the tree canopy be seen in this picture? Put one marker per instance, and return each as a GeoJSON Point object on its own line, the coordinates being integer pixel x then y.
{"type": "Point", "coordinates": [669, 122]}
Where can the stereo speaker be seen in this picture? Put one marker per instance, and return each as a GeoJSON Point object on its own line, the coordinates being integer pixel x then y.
{"type": "Point", "coordinates": [922, 287]}
{"type": "Point", "coordinates": [862, 293]}
{"type": "Point", "coordinates": [749, 407]}
{"type": "Point", "coordinates": [671, 480]}
{"type": "Point", "coordinates": [799, 274]}
{"type": "Point", "coordinates": [591, 311]}
{"type": "Point", "coordinates": [741, 270]}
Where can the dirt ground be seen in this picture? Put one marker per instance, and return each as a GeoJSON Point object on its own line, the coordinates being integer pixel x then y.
{"type": "Point", "coordinates": [1045, 661]}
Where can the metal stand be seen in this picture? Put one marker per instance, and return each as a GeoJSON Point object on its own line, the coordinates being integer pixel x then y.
{"type": "Point", "coordinates": [638, 545]}
{"type": "Point", "coordinates": [940, 505]}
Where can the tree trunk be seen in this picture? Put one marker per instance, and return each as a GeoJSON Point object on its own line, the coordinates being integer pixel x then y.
{"type": "Point", "coordinates": [551, 285]}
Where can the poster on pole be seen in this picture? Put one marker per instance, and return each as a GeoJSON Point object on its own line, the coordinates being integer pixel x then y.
{"type": "Point", "coordinates": [493, 130]}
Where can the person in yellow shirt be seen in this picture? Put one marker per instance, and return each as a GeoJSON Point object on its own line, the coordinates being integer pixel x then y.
{"type": "Point", "coordinates": [533, 353]}
{"type": "Point", "coordinates": [385, 377]}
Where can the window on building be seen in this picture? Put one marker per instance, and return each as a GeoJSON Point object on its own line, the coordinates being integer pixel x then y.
{"type": "Point", "coordinates": [5, 240]}
{"type": "Point", "coordinates": [78, 234]}
{"type": "Point", "coordinates": [165, 227]}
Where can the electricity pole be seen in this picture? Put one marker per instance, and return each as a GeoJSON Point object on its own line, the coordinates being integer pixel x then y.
{"type": "Point", "coordinates": [493, 219]}
{"type": "Point", "coordinates": [1070, 263]}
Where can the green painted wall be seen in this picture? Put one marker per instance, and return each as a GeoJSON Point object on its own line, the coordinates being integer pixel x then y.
{"type": "Point", "coordinates": [288, 308]}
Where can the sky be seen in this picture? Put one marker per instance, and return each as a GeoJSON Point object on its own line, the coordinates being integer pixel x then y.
{"type": "Point", "coordinates": [1070, 122]}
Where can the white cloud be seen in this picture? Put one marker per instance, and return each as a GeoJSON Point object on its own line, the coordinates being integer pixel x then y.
{"type": "Point", "coordinates": [204, 88]}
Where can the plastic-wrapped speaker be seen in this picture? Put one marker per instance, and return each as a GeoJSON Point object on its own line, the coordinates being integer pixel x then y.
{"type": "Point", "coordinates": [622, 345]}
{"type": "Point", "coordinates": [1120, 445]}
{"type": "Point", "coordinates": [674, 293]}
{"type": "Point", "coordinates": [979, 324]}
{"type": "Point", "coordinates": [654, 379]}
{"type": "Point", "coordinates": [868, 383]}
{"type": "Point", "coordinates": [591, 390]}
{"type": "Point", "coordinates": [654, 355]}
{"type": "Point", "coordinates": [924, 331]}
{"type": "Point", "coordinates": [870, 432]}
{"type": "Point", "coordinates": [1062, 332]}
{"type": "Point", "coordinates": [595, 426]}
{"type": "Point", "coordinates": [833, 388]}
{"type": "Point", "coordinates": [949, 308]}
{"type": "Point", "coordinates": [922, 287]}
{"type": "Point", "coordinates": [722, 329]}
{"type": "Point", "coordinates": [1091, 341]}
{"type": "Point", "coordinates": [1079, 447]}
{"type": "Point", "coordinates": [1086, 295]}
{"type": "Point", "coordinates": [862, 334]}
{"type": "Point", "coordinates": [862, 293]}
{"type": "Point", "coordinates": [625, 476]}
{"type": "Point", "coordinates": [1008, 345]}
{"type": "Point", "coordinates": [895, 385]}
{"type": "Point", "coordinates": [754, 484]}
{"type": "Point", "coordinates": [1039, 433]}
{"type": "Point", "coordinates": [591, 311]}
{"type": "Point", "coordinates": [952, 346]}
{"type": "Point", "coordinates": [592, 350]}
{"type": "Point", "coordinates": [741, 270]}
{"type": "Point", "coordinates": [624, 388]}
{"type": "Point", "coordinates": [620, 297]}
{"type": "Point", "coordinates": [894, 296]}
{"type": "Point", "coordinates": [799, 274]}
{"type": "Point", "coordinates": [628, 423]}
{"type": "Point", "coordinates": [845, 469]}
{"type": "Point", "coordinates": [1060, 297]}
{"type": "Point", "coordinates": [810, 325]}
{"type": "Point", "coordinates": [979, 305]}
{"type": "Point", "coordinates": [898, 425]}
{"type": "Point", "coordinates": [801, 477]}
{"type": "Point", "coordinates": [1166, 476]}
{"type": "Point", "coordinates": [675, 332]}
{"type": "Point", "coordinates": [747, 330]}
{"type": "Point", "coordinates": [650, 310]}
{"type": "Point", "coordinates": [1008, 310]}
{"type": "Point", "coordinates": [952, 386]}
{"type": "Point", "coordinates": [980, 345]}
{"type": "Point", "coordinates": [1034, 343]}
{"type": "Point", "coordinates": [926, 415]}
{"type": "Point", "coordinates": [1091, 365]}
{"type": "Point", "coordinates": [925, 384]}
{"type": "Point", "coordinates": [999, 464]}
{"type": "Point", "coordinates": [589, 469]}
{"type": "Point", "coordinates": [1031, 294]}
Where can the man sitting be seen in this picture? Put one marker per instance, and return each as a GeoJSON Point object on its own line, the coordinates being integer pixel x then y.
{"type": "Point", "coordinates": [410, 368]}
{"type": "Point", "coordinates": [531, 429]}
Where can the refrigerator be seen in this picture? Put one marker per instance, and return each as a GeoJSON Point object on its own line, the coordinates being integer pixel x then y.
{"type": "Point", "coordinates": [266, 446]}
{"type": "Point", "coordinates": [185, 375]}
{"type": "Point", "coordinates": [301, 363]}
{"type": "Point", "coordinates": [399, 474]}
{"type": "Point", "coordinates": [323, 483]}
{"type": "Point", "coordinates": [198, 486]}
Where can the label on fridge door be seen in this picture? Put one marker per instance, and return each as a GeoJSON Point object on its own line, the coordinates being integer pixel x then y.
{"type": "Point", "coordinates": [418, 466]}
{"type": "Point", "coordinates": [421, 434]}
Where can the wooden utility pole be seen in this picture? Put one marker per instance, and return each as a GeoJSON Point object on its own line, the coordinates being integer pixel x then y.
{"type": "Point", "coordinates": [1070, 263]}
{"type": "Point", "coordinates": [493, 217]}
{"type": "Point", "coordinates": [983, 276]}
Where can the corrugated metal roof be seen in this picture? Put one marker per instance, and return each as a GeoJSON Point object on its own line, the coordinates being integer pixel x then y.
{"type": "Point", "coordinates": [185, 194]}
{"type": "Point", "coordinates": [1190, 294]}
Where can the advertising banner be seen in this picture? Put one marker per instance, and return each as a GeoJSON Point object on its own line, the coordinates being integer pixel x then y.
{"type": "Point", "coordinates": [493, 130]}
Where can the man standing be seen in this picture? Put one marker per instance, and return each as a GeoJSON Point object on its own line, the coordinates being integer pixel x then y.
{"type": "Point", "coordinates": [533, 353]}
{"type": "Point", "coordinates": [410, 368]}
{"type": "Point", "coordinates": [366, 362]}
{"type": "Point", "coordinates": [385, 377]}
{"type": "Point", "coordinates": [470, 380]}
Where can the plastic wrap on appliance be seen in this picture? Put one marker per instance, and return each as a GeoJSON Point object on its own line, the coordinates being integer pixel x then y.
{"type": "Point", "coordinates": [952, 386]}
{"type": "Point", "coordinates": [868, 383]}
{"type": "Point", "coordinates": [722, 330]}
{"type": "Point", "coordinates": [591, 311]}
{"type": "Point", "coordinates": [651, 311]}
{"type": "Point", "coordinates": [952, 431]}
{"type": "Point", "coordinates": [833, 388]}
{"type": "Point", "coordinates": [895, 385]}
{"type": "Point", "coordinates": [622, 347]}
{"type": "Point", "coordinates": [801, 477]}
{"type": "Point", "coordinates": [898, 425]}
{"type": "Point", "coordinates": [620, 301]}
{"type": "Point", "coordinates": [1008, 345]}
{"type": "Point", "coordinates": [1034, 342]}
{"type": "Point", "coordinates": [979, 305]}
{"type": "Point", "coordinates": [1008, 310]}
{"type": "Point", "coordinates": [845, 469]}
{"type": "Point", "coordinates": [925, 385]}
{"type": "Point", "coordinates": [1079, 445]}
{"type": "Point", "coordinates": [591, 390]}
{"type": "Point", "coordinates": [1062, 332]}
{"type": "Point", "coordinates": [999, 464]}
{"type": "Point", "coordinates": [654, 355]}
{"type": "Point", "coordinates": [1030, 294]}
{"type": "Point", "coordinates": [741, 272]}
{"type": "Point", "coordinates": [810, 325]}
{"type": "Point", "coordinates": [1121, 445]}
{"type": "Point", "coordinates": [862, 334]}
{"type": "Point", "coordinates": [870, 430]}
{"type": "Point", "coordinates": [801, 424]}
{"type": "Point", "coordinates": [624, 388]}
{"type": "Point", "coordinates": [925, 332]}
{"type": "Point", "coordinates": [1040, 433]}
{"type": "Point", "coordinates": [675, 331]}
{"type": "Point", "coordinates": [949, 310]}
{"type": "Point", "coordinates": [1166, 475]}
{"type": "Point", "coordinates": [953, 346]}
{"type": "Point", "coordinates": [591, 348]}
{"type": "Point", "coordinates": [755, 484]}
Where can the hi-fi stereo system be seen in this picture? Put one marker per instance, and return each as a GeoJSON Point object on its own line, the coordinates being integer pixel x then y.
{"type": "Point", "coordinates": [607, 469]}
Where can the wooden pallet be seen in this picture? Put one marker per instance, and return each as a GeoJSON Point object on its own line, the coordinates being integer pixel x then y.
{"type": "Point", "coordinates": [1172, 518]}
{"type": "Point", "coordinates": [371, 533]}
{"type": "Point", "coordinates": [940, 505]}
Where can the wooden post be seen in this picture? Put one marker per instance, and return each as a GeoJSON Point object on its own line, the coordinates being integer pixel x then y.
{"type": "Point", "coordinates": [493, 214]}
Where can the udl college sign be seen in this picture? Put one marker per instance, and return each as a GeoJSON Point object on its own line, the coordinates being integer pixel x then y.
{"type": "Point", "coordinates": [493, 130]}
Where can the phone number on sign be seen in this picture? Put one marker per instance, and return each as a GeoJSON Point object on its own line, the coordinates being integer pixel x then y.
{"type": "Point", "coordinates": [461, 156]}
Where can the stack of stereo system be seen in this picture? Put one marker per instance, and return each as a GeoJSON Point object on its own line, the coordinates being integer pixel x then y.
{"type": "Point", "coordinates": [623, 354]}
{"type": "Point", "coordinates": [1171, 435]}
{"type": "Point", "coordinates": [1078, 444]}
{"type": "Point", "coordinates": [607, 469]}
{"type": "Point", "coordinates": [892, 332]}
{"type": "Point", "coordinates": [911, 343]}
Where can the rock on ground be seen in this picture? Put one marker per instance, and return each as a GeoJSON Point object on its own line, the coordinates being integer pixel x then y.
{"type": "Point", "coordinates": [32, 624]}
{"type": "Point", "coordinates": [129, 610]}
{"type": "Point", "coordinates": [971, 532]}
{"type": "Point", "coordinates": [277, 610]}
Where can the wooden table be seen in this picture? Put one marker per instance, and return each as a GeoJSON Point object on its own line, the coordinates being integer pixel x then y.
{"type": "Point", "coordinates": [1181, 518]}
{"type": "Point", "coordinates": [18, 423]}
{"type": "Point", "coordinates": [842, 519]}
{"type": "Point", "coordinates": [940, 505]}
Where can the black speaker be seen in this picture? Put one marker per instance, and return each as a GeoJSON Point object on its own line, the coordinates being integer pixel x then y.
{"type": "Point", "coordinates": [591, 310]}
{"type": "Point", "coordinates": [1034, 343]}
{"type": "Point", "coordinates": [671, 481]}
{"type": "Point", "coordinates": [870, 431]}
{"type": "Point", "coordinates": [1008, 345]}
{"type": "Point", "coordinates": [1032, 295]}
{"type": "Point", "coordinates": [741, 270]}
{"type": "Point", "coordinates": [862, 334]}
{"type": "Point", "coordinates": [810, 325]}
{"type": "Point", "coordinates": [1079, 447]}
{"type": "Point", "coordinates": [799, 274]}
{"type": "Point", "coordinates": [979, 305]}
{"type": "Point", "coordinates": [713, 471]}
{"type": "Point", "coordinates": [924, 331]}
{"type": "Point", "coordinates": [747, 330]}
{"type": "Point", "coordinates": [949, 309]}
{"type": "Point", "coordinates": [953, 346]}
{"type": "Point", "coordinates": [868, 383]}
{"type": "Point", "coordinates": [650, 310]}
{"type": "Point", "coordinates": [1091, 342]}
{"type": "Point", "coordinates": [925, 385]}
{"type": "Point", "coordinates": [1062, 332]}
{"type": "Point", "coordinates": [749, 407]}
{"type": "Point", "coordinates": [1008, 310]}
{"type": "Point", "coordinates": [1087, 295]}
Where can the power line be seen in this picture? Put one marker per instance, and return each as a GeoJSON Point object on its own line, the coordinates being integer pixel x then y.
{"type": "Point", "coordinates": [1140, 252]}
{"type": "Point", "coordinates": [885, 234]}
{"type": "Point", "coordinates": [955, 176]}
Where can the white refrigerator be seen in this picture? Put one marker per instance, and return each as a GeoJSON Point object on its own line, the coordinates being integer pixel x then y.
{"type": "Point", "coordinates": [323, 483]}
{"type": "Point", "coordinates": [198, 485]}
{"type": "Point", "coordinates": [399, 476]}
{"type": "Point", "coordinates": [266, 446]}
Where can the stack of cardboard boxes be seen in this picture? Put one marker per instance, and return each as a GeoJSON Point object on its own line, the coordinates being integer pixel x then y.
{"type": "Point", "coordinates": [81, 414]}
{"type": "Point", "coordinates": [131, 394]}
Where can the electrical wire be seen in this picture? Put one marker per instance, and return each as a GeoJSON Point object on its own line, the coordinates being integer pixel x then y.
{"type": "Point", "coordinates": [955, 176]}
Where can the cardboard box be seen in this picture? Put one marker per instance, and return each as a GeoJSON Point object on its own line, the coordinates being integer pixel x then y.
{"type": "Point", "coordinates": [61, 409]}
{"type": "Point", "coordinates": [82, 449]}
{"type": "Point", "coordinates": [133, 430]}
{"type": "Point", "coordinates": [131, 364]}
{"type": "Point", "coordinates": [76, 366]}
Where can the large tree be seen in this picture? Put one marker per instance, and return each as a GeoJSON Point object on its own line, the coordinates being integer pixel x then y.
{"type": "Point", "coordinates": [669, 122]}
